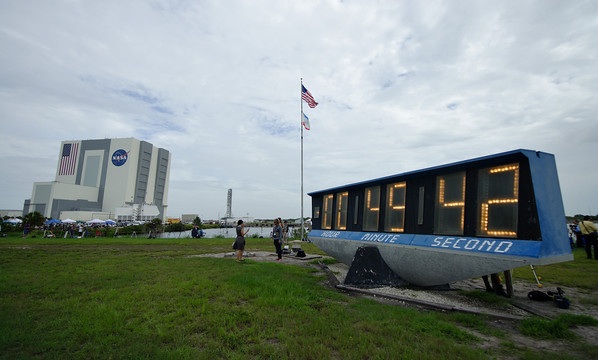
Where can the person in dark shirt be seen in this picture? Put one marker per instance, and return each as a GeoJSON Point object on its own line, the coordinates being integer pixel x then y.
{"type": "Point", "coordinates": [240, 240]}
{"type": "Point", "coordinates": [277, 238]}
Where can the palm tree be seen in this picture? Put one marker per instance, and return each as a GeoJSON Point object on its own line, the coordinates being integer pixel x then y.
{"type": "Point", "coordinates": [34, 219]}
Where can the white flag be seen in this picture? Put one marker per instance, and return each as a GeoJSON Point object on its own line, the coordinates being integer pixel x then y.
{"type": "Point", "coordinates": [304, 121]}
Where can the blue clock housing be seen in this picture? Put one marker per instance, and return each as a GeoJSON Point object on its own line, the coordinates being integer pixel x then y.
{"type": "Point", "coordinates": [450, 222]}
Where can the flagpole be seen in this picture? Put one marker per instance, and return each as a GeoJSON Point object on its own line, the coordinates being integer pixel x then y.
{"type": "Point", "coordinates": [301, 126]}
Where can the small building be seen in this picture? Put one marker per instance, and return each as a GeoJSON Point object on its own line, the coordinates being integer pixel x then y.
{"type": "Point", "coordinates": [11, 213]}
{"type": "Point", "coordinates": [232, 221]}
{"type": "Point", "coordinates": [138, 212]}
{"type": "Point", "coordinates": [188, 218]}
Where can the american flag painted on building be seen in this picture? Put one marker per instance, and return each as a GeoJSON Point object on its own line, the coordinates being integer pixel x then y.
{"type": "Point", "coordinates": [68, 160]}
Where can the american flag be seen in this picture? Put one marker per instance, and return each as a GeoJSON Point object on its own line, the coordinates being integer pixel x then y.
{"type": "Point", "coordinates": [305, 95]}
{"type": "Point", "coordinates": [68, 160]}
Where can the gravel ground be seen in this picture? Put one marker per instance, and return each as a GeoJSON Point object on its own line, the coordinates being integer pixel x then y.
{"type": "Point", "coordinates": [455, 300]}
{"type": "Point", "coordinates": [447, 299]}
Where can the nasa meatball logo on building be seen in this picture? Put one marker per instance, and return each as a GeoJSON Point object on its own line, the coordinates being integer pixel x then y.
{"type": "Point", "coordinates": [119, 158]}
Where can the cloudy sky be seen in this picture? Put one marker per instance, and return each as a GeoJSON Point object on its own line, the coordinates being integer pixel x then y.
{"type": "Point", "coordinates": [401, 86]}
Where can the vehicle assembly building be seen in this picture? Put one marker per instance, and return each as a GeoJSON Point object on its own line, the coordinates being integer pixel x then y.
{"type": "Point", "coordinates": [125, 179]}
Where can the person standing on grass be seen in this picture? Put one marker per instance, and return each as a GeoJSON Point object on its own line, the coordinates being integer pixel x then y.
{"type": "Point", "coordinates": [240, 240]}
{"type": "Point", "coordinates": [285, 232]}
{"type": "Point", "coordinates": [577, 233]}
{"type": "Point", "coordinates": [589, 232]}
{"type": "Point", "coordinates": [277, 238]}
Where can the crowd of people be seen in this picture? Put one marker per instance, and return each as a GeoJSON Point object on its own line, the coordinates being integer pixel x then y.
{"type": "Point", "coordinates": [70, 230]}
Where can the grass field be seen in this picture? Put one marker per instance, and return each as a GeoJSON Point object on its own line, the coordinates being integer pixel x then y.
{"type": "Point", "coordinates": [125, 298]}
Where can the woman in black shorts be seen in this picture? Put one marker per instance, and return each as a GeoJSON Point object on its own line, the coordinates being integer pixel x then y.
{"type": "Point", "coordinates": [240, 241]}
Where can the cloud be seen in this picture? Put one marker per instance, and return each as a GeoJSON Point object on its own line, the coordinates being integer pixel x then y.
{"type": "Point", "coordinates": [401, 86]}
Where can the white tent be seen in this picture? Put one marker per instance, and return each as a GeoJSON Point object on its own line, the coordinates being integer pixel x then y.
{"type": "Point", "coordinates": [68, 221]}
{"type": "Point", "coordinates": [96, 222]}
{"type": "Point", "coordinates": [13, 221]}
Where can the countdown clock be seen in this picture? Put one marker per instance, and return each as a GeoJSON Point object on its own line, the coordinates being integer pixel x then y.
{"type": "Point", "coordinates": [450, 222]}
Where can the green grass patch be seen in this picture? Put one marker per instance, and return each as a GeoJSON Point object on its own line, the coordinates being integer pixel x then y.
{"type": "Point", "coordinates": [589, 301]}
{"type": "Point", "coordinates": [153, 298]}
{"type": "Point", "coordinates": [149, 298]}
{"type": "Point", "coordinates": [478, 323]}
{"type": "Point", "coordinates": [580, 273]}
{"type": "Point", "coordinates": [558, 328]}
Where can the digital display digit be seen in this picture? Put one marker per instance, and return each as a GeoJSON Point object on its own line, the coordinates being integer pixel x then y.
{"type": "Point", "coordinates": [450, 204]}
{"type": "Point", "coordinates": [420, 206]}
{"type": "Point", "coordinates": [327, 212]}
{"type": "Point", "coordinates": [356, 210]}
{"type": "Point", "coordinates": [341, 210]}
{"type": "Point", "coordinates": [498, 196]}
{"type": "Point", "coordinates": [394, 220]}
{"type": "Point", "coordinates": [371, 211]}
